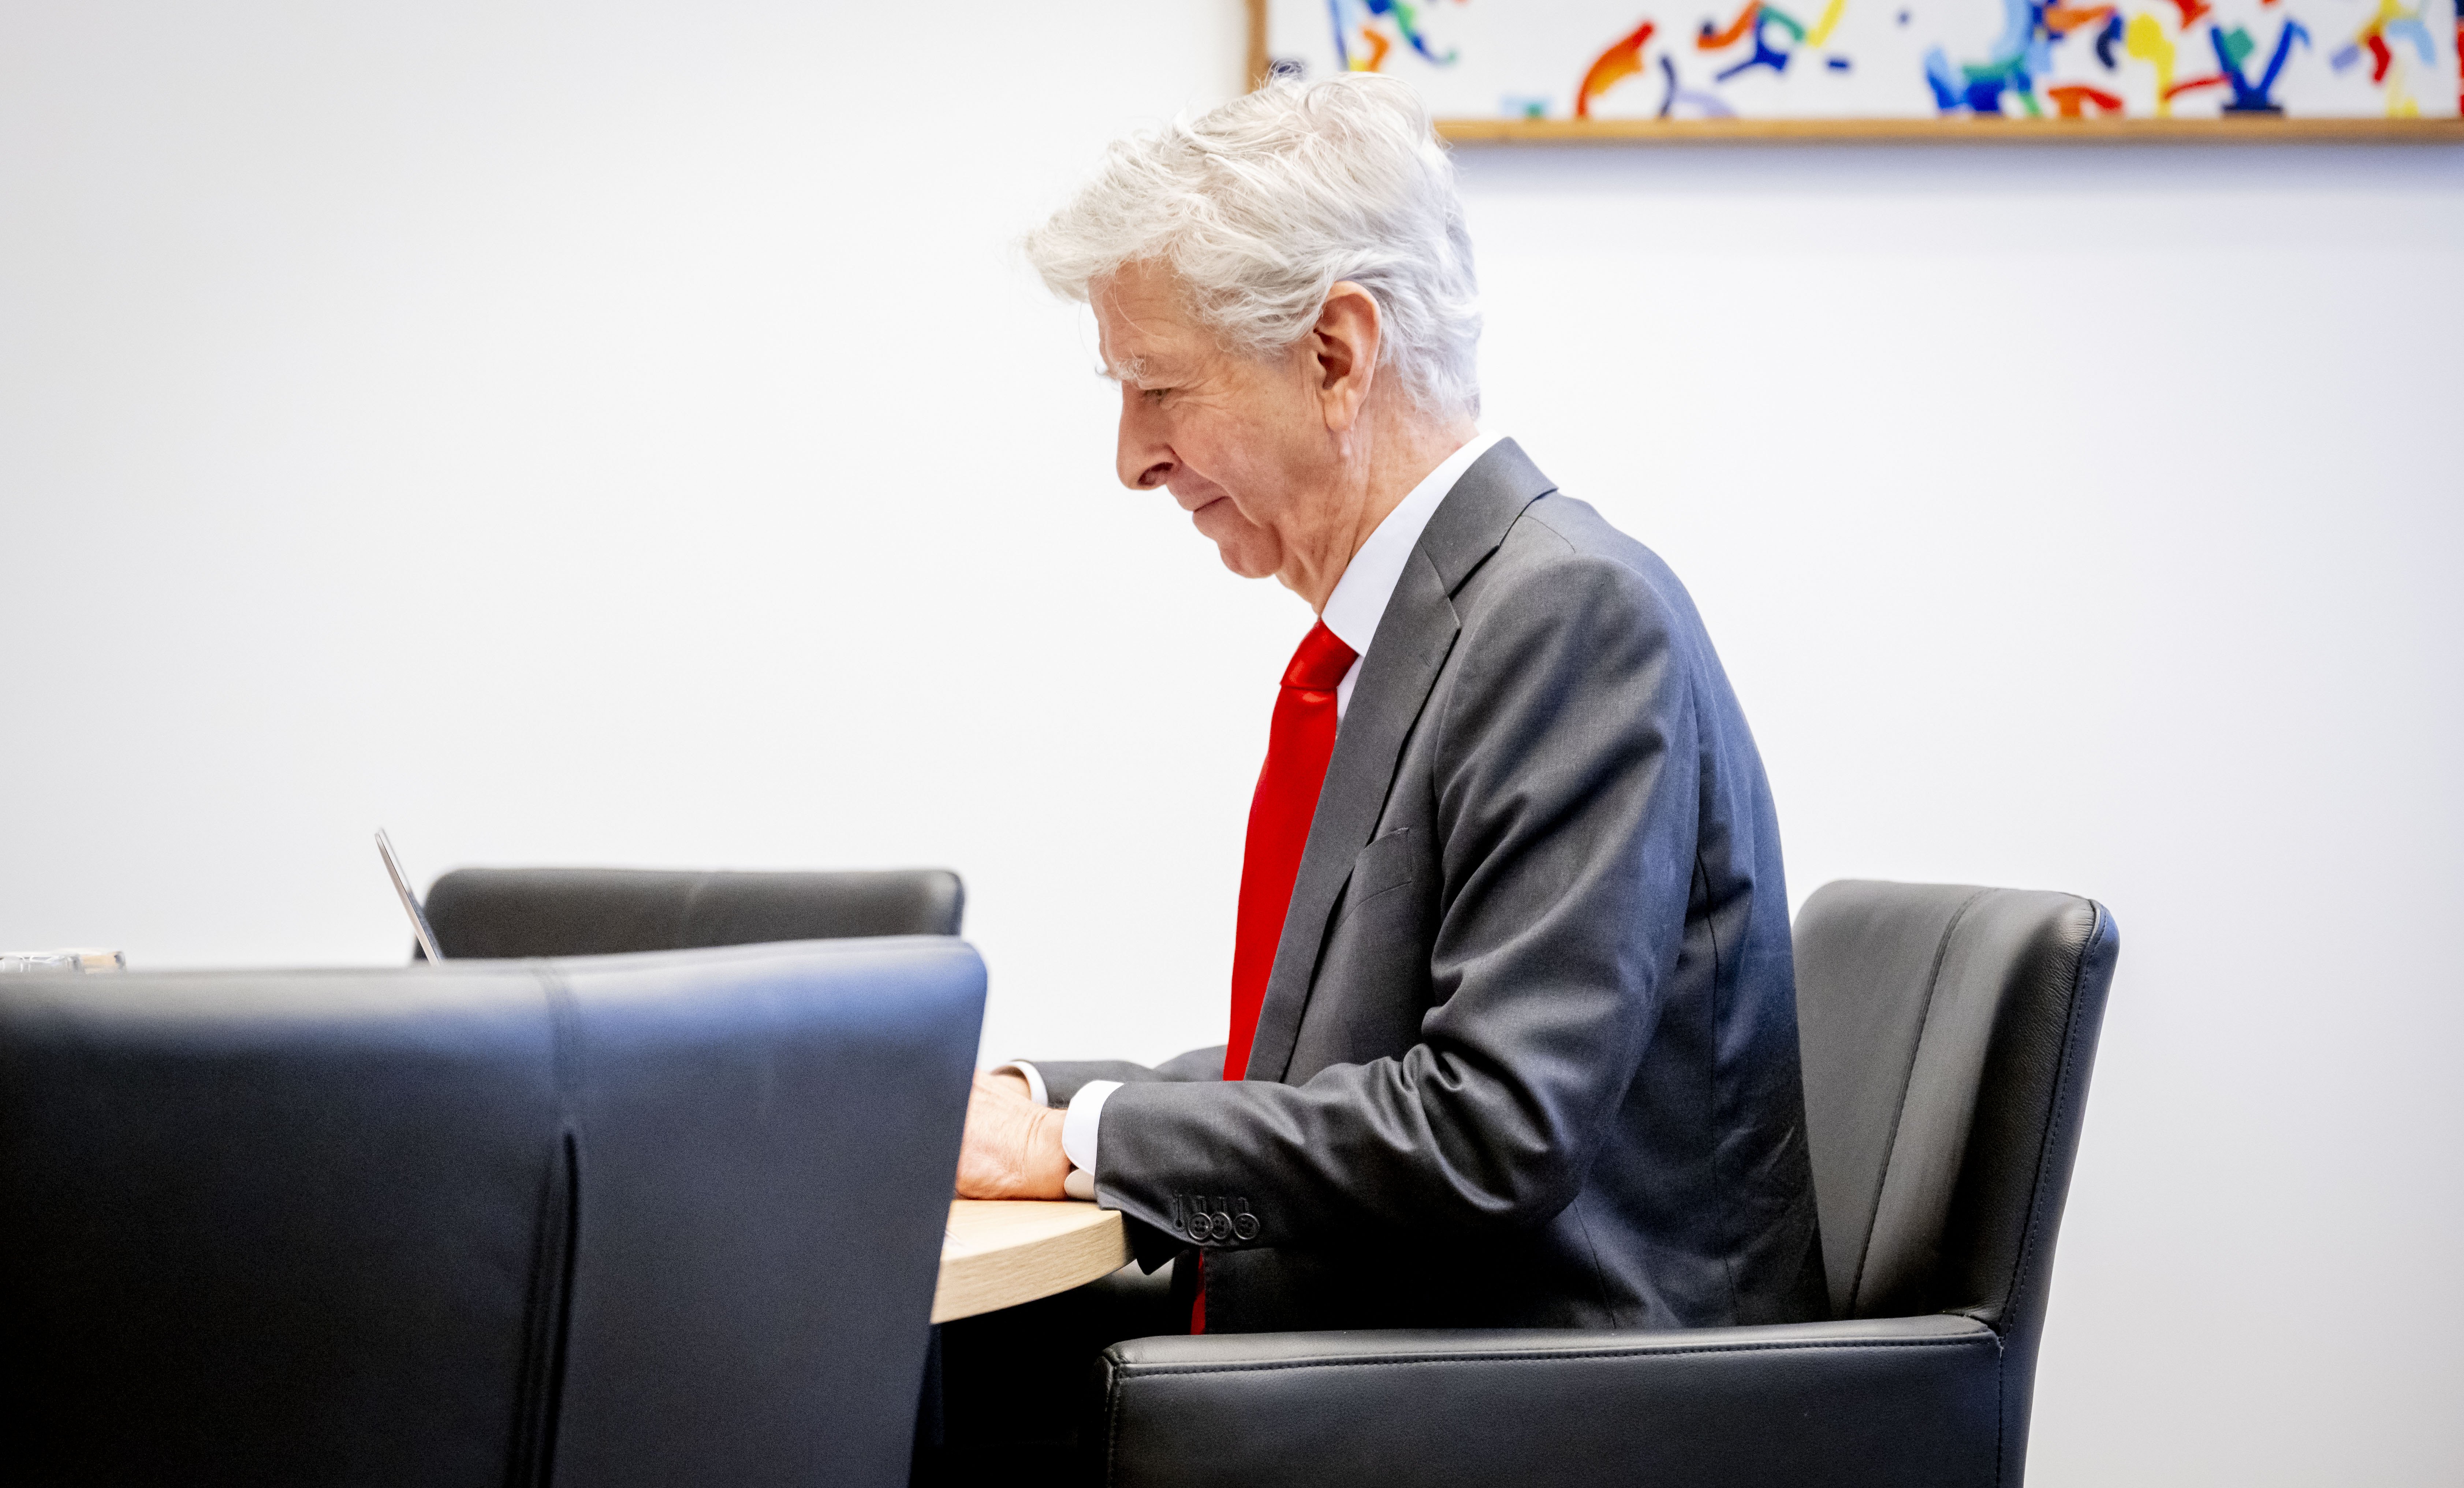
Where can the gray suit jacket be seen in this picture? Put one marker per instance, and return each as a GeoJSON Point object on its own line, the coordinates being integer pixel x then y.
{"type": "Point", "coordinates": [1528, 1054]}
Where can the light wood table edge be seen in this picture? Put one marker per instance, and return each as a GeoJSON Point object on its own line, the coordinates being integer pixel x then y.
{"type": "Point", "coordinates": [2252, 130]}
{"type": "Point", "coordinates": [1001, 1252]}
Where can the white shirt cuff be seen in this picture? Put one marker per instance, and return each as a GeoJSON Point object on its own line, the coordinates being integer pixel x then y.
{"type": "Point", "coordinates": [1080, 1128]}
{"type": "Point", "coordinates": [1033, 1077]}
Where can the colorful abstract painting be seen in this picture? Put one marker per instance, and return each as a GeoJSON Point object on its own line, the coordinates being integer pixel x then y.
{"type": "Point", "coordinates": [1885, 59]}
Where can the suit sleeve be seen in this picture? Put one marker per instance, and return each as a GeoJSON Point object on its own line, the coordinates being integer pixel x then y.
{"type": "Point", "coordinates": [1063, 1079]}
{"type": "Point", "coordinates": [1565, 783]}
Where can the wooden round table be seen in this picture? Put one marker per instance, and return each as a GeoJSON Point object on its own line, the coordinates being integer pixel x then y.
{"type": "Point", "coordinates": [997, 1253]}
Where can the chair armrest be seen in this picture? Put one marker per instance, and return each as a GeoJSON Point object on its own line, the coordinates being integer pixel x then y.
{"type": "Point", "coordinates": [1899, 1402]}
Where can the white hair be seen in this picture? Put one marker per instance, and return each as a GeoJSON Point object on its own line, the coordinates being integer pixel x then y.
{"type": "Point", "coordinates": [1260, 206]}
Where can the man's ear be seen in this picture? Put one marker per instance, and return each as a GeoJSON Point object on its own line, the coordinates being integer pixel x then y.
{"type": "Point", "coordinates": [1343, 352]}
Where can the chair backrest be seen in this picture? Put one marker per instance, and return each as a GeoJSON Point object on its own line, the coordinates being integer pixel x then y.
{"type": "Point", "coordinates": [1947, 1034]}
{"type": "Point", "coordinates": [511, 912]}
{"type": "Point", "coordinates": [631, 1219]}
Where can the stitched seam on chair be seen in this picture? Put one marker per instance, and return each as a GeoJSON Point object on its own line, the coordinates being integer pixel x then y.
{"type": "Point", "coordinates": [2001, 1412]}
{"type": "Point", "coordinates": [1890, 1148]}
{"type": "Point", "coordinates": [2001, 1417]}
{"type": "Point", "coordinates": [1986, 1338]}
{"type": "Point", "coordinates": [2044, 1151]}
{"type": "Point", "coordinates": [1112, 1427]}
{"type": "Point", "coordinates": [2062, 1102]}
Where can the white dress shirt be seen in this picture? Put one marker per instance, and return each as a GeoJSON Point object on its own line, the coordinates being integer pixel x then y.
{"type": "Point", "coordinates": [1352, 612]}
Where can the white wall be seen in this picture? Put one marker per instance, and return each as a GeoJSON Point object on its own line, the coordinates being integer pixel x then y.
{"type": "Point", "coordinates": [621, 434]}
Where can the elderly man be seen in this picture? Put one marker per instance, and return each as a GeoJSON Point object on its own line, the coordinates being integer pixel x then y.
{"type": "Point", "coordinates": [1513, 1035]}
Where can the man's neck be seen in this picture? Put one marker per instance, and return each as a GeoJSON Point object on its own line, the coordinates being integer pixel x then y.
{"type": "Point", "coordinates": [1399, 453]}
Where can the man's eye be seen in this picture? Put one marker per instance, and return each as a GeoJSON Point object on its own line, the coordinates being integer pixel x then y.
{"type": "Point", "coordinates": [1155, 394]}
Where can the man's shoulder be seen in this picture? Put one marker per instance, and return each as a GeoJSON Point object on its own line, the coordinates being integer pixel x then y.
{"type": "Point", "coordinates": [1573, 528]}
{"type": "Point", "coordinates": [1561, 551]}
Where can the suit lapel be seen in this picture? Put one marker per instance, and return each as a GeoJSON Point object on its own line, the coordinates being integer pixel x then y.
{"type": "Point", "coordinates": [1415, 636]}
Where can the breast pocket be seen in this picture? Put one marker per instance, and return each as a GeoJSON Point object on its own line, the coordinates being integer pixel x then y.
{"type": "Point", "coordinates": [1381, 870]}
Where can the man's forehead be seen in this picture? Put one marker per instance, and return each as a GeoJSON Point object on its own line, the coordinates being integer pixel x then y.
{"type": "Point", "coordinates": [1140, 329]}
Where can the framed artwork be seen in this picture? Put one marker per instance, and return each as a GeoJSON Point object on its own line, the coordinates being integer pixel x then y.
{"type": "Point", "coordinates": [1496, 71]}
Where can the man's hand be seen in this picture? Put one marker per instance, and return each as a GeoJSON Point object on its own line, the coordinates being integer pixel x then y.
{"type": "Point", "coordinates": [1012, 1148]}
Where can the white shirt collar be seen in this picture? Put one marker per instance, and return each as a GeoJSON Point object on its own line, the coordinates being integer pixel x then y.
{"type": "Point", "coordinates": [1359, 598]}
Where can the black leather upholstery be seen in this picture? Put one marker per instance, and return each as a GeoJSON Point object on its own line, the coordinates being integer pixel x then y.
{"type": "Point", "coordinates": [632, 1219]}
{"type": "Point", "coordinates": [1947, 1036]}
{"type": "Point", "coordinates": [484, 912]}
{"type": "Point", "coordinates": [1981, 1008]}
{"type": "Point", "coordinates": [1889, 1405]}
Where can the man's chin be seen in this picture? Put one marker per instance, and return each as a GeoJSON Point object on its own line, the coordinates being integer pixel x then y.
{"type": "Point", "coordinates": [1244, 556]}
{"type": "Point", "coordinates": [1235, 541]}
{"type": "Point", "coordinates": [1247, 565]}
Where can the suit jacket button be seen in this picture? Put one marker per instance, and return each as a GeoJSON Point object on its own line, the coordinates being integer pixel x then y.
{"type": "Point", "coordinates": [1219, 1224]}
{"type": "Point", "coordinates": [1245, 1226]}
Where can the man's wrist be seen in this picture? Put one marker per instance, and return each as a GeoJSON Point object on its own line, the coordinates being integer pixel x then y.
{"type": "Point", "coordinates": [1047, 1160]}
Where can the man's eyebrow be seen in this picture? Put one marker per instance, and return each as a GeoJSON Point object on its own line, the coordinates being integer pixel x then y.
{"type": "Point", "coordinates": [1129, 369]}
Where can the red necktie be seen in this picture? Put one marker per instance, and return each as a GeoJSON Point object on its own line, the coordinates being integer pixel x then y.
{"type": "Point", "coordinates": [1298, 746]}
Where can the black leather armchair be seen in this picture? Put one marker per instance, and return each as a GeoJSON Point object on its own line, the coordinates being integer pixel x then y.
{"type": "Point", "coordinates": [508, 912]}
{"type": "Point", "coordinates": [644, 1219]}
{"type": "Point", "coordinates": [1949, 1034]}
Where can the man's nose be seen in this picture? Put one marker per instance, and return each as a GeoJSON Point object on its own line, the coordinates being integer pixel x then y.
{"type": "Point", "coordinates": [1145, 460]}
